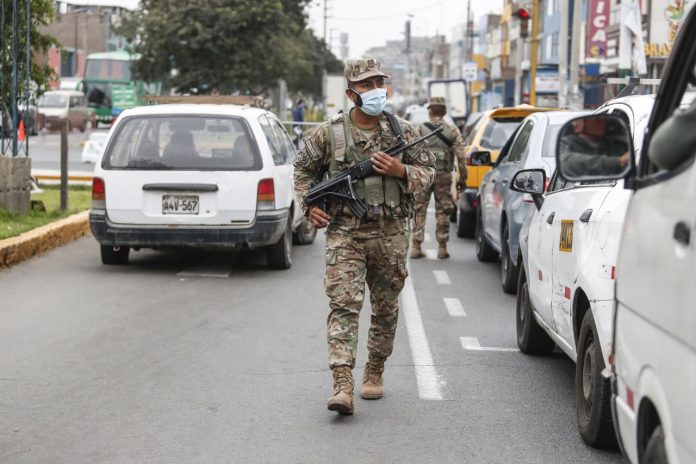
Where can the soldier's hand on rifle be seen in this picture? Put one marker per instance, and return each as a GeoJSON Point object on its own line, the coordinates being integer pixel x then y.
{"type": "Point", "coordinates": [318, 217]}
{"type": "Point", "coordinates": [388, 165]}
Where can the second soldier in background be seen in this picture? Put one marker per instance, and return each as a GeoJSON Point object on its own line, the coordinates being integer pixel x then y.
{"type": "Point", "coordinates": [447, 147]}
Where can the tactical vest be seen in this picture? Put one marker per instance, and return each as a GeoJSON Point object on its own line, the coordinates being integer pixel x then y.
{"type": "Point", "coordinates": [444, 154]}
{"type": "Point", "coordinates": [383, 195]}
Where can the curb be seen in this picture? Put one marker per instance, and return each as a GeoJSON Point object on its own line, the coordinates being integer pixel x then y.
{"type": "Point", "coordinates": [37, 241]}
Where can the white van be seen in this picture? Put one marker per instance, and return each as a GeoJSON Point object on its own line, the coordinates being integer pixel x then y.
{"type": "Point", "coordinates": [654, 343]}
{"type": "Point", "coordinates": [56, 105]}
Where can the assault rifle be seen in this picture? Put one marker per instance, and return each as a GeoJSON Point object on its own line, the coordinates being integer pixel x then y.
{"type": "Point", "coordinates": [339, 188]}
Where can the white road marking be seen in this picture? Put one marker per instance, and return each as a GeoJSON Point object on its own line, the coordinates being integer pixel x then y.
{"type": "Point", "coordinates": [426, 375]}
{"type": "Point", "coordinates": [427, 237]}
{"type": "Point", "coordinates": [472, 344]}
{"type": "Point", "coordinates": [205, 272]}
{"type": "Point", "coordinates": [442, 278]}
{"type": "Point", "coordinates": [430, 254]}
{"type": "Point", "coordinates": [454, 307]}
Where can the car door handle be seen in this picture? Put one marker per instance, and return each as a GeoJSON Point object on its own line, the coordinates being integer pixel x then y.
{"type": "Point", "coordinates": [682, 233]}
{"type": "Point", "coordinates": [585, 216]}
{"type": "Point", "coordinates": [549, 220]}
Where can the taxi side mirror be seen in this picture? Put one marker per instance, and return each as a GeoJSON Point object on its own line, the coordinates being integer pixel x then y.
{"type": "Point", "coordinates": [531, 181]}
{"type": "Point", "coordinates": [597, 147]}
{"type": "Point", "coordinates": [480, 158]}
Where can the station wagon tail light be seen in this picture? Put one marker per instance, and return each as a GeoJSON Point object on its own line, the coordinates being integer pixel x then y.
{"type": "Point", "coordinates": [98, 193]}
{"type": "Point", "coordinates": [265, 198]}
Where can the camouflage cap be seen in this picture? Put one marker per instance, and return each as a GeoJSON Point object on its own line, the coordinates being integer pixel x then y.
{"type": "Point", "coordinates": [364, 68]}
{"type": "Point", "coordinates": [437, 101]}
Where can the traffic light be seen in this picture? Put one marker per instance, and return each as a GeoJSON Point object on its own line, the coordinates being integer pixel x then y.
{"type": "Point", "coordinates": [523, 15]}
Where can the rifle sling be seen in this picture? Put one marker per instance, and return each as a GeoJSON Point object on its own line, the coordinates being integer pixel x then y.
{"type": "Point", "coordinates": [439, 135]}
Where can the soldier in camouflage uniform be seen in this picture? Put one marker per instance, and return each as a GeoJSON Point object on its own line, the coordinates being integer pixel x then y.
{"type": "Point", "coordinates": [372, 249]}
{"type": "Point", "coordinates": [447, 146]}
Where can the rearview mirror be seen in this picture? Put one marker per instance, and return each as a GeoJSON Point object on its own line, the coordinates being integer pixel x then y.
{"type": "Point", "coordinates": [480, 158]}
{"type": "Point", "coordinates": [531, 181]}
{"type": "Point", "coordinates": [595, 147]}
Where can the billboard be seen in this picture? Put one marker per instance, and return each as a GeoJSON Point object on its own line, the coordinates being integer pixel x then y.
{"type": "Point", "coordinates": [665, 18]}
{"type": "Point", "coordinates": [597, 19]}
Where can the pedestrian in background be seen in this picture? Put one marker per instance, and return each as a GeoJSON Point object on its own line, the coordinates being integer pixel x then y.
{"type": "Point", "coordinates": [298, 116]}
{"type": "Point", "coordinates": [447, 146]}
{"type": "Point", "coordinates": [372, 249]}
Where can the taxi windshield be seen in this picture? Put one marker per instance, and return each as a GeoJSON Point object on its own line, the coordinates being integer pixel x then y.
{"type": "Point", "coordinates": [497, 132]}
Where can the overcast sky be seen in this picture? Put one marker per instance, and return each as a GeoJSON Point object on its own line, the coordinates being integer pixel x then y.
{"type": "Point", "coordinates": [371, 23]}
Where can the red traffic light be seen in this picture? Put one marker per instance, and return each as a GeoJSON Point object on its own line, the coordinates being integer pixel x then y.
{"type": "Point", "coordinates": [522, 13]}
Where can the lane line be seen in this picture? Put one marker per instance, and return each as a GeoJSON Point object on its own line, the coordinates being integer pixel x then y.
{"type": "Point", "coordinates": [426, 375]}
{"type": "Point", "coordinates": [442, 278]}
{"type": "Point", "coordinates": [472, 344]}
{"type": "Point", "coordinates": [430, 254]}
{"type": "Point", "coordinates": [205, 272]}
{"type": "Point", "coordinates": [454, 307]}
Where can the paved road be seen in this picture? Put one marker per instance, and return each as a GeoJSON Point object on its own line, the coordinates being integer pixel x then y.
{"type": "Point", "coordinates": [212, 358]}
{"type": "Point", "coordinates": [44, 151]}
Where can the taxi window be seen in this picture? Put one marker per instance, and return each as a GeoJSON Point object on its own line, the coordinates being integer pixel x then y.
{"type": "Point", "coordinates": [163, 142]}
{"type": "Point", "coordinates": [278, 150]}
{"type": "Point", "coordinates": [520, 146]}
{"type": "Point", "coordinates": [288, 146]}
{"type": "Point", "coordinates": [470, 138]}
{"type": "Point", "coordinates": [497, 132]}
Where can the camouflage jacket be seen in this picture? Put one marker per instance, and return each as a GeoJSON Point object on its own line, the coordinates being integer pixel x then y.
{"type": "Point", "coordinates": [419, 161]}
{"type": "Point", "coordinates": [457, 144]}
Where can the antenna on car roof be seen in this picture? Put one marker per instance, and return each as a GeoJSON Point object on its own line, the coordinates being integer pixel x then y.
{"type": "Point", "coordinates": [242, 100]}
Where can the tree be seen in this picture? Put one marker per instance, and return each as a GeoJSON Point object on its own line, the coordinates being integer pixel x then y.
{"type": "Point", "coordinates": [41, 14]}
{"type": "Point", "coordinates": [229, 45]}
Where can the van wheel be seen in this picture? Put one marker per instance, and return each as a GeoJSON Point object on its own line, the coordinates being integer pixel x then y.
{"type": "Point", "coordinates": [509, 272]}
{"type": "Point", "coordinates": [466, 224]}
{"type": "Point", "coordinates": [655, 452]}
{"type": "Point", "coordinates": [304, 234]}
{"type": "Point", "coordinates": [484, 252]}
{"type": "Point", "coordinates": [592, 390]}
{"type": "Point", "coordinates": [114, 255]}
{"type": "Point", "coordinates": [279, 256]}
{"type": "Point", "coordinates": [531, 338]}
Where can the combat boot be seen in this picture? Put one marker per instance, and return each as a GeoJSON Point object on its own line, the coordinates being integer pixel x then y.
{"type": "Point", "coordinates": [416, 251]}
{"type": "Point", "coordinates": [342, 400]}
{"type": "Point", "coordinates": [442, 251]}
{"type": "Point", "coordinates": [373, 383]}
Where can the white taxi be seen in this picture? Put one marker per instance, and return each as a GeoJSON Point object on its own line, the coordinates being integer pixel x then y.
{"type": "Point", "coordinates": [212, 176]}
{"type": "Point", "coordinates": [567, 262]}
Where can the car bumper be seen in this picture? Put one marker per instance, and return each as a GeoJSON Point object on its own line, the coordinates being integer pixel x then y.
{"type": "Point", "coordinates": [619, 413]}
{"type": "Point", "coordinates": [468, 200]}
{"type": "Point", "coordinates": [267, 229]}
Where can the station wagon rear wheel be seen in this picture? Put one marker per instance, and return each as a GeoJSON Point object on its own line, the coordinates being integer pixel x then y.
{"type": "Point", "coordinates": [279, 255]}
{"type": "Point", "coordinates": [592, 390]}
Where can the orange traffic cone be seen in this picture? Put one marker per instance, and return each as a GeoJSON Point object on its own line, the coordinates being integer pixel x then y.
{"type": "Point", "coordinates": [21, 133]}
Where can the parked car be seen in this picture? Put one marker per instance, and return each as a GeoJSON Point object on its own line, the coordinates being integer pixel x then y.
{"type": "Point", "coordinates": [490, 133]}
{"type": "Point", "coordinates": [653, 362]}
{"type": "Point", "coordinates": [501, 211]}
{"type": "Point", "coordinates": [56, 105]}
{"type": "Point", "coordinates": [214, 176]}
{"type": "Point", "coordinates": [567, 262]}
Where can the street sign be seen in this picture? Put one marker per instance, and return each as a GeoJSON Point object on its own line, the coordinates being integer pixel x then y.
{"type": "Point", "coordinates": [469, 71]}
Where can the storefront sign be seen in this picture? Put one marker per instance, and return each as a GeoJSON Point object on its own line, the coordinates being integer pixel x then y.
{"type": "Point", "coordinates": [597, 22]}
{"type": "Point", "coordinates": [665, 18]}
{"type": "Point", "coordinates": [547, 82]}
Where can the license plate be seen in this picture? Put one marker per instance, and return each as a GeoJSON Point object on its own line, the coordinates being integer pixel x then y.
{"type": "Point", "coordinates": [180, 204]}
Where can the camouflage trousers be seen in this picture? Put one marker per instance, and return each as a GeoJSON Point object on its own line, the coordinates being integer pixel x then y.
{"type": "Point", "coordinates": [374, 255]}
{"type": "Point", "coordinates": [444, 206]}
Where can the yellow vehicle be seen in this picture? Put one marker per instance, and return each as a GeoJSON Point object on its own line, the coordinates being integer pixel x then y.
{"type": "Point", "coordinates": [489, 134]}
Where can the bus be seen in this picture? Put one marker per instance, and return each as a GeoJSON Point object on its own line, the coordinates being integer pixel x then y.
{"type": "Point", "coordinates": [110, 87]}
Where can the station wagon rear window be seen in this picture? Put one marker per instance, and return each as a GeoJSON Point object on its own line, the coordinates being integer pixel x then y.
{"type": "Point", "coordinates": [498, 131]}
{"type": "Point", "coordinates": [185, 143]}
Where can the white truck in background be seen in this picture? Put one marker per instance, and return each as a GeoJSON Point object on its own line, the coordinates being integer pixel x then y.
{"type": "Point", "coordinates": [335, 99]}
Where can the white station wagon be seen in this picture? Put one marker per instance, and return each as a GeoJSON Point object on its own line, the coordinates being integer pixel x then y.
{"type": "Point", "coordinates": [209, 176]}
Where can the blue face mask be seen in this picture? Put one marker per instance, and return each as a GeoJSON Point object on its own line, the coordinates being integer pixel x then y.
{"type": "Point", "coordinates": [373, 102]}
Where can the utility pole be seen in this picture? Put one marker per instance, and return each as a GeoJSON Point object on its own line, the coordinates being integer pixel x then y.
{"type": "Point", "coordinates": [575, 58]}
{"type": "Point", "coordinates": [533, 60]}
{"type": "Point", "coordinates": [563, 56]}
{"type": "Point", "coordinates": [326, 16]}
